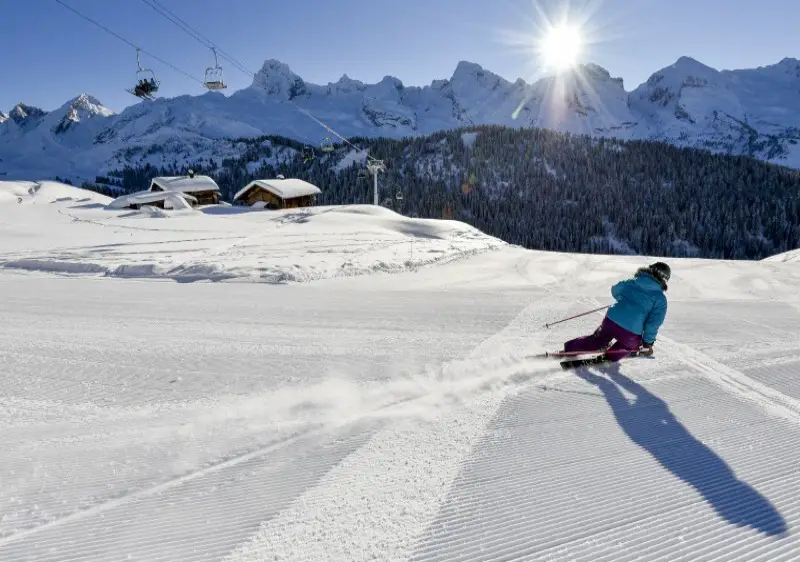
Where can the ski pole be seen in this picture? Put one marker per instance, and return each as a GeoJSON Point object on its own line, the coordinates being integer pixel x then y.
{"type": "Point", "coordinates": [577, 316]}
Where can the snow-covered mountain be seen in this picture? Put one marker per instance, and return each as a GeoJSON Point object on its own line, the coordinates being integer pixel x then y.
{"type": "Point", "coordinates": [754, 112]}
{"type": "Point", "coordinates": [57, 142]}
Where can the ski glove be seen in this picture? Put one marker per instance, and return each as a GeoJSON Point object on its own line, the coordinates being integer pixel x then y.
{"type": "Point", "coordinates": [646, 349]}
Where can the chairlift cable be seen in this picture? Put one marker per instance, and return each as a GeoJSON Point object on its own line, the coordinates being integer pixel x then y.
{"type": "Point", "coordinates": [176, 20]}
{"type": "Point", "coordinates": [358, 148]}
{"type": "Point", "coordinates": [203, 41]}
{"type": "Point", "coordinates": [206, 42]}
{"type": "Point", "coordinates": [332, 131]}
{"type": "Point", "coordinates": [107, 30]}
{"type": "Point", "coordinates": [328, 128]}
{"type": "Point", "coordinates": [194, 33]}
{"type": "Point", "coordinates": [213, 77]}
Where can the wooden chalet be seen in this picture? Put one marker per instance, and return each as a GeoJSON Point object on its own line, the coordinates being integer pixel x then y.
{"type": "Point", "coordinates": [279, 193]}
{"type": "Point", "coordinates": [172, 192]}
{"type": "Point", "coordinates": [202, 188]}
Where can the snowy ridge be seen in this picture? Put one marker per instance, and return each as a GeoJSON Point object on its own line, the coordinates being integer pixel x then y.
{"type": "Point", "coordinates": [753, 112]}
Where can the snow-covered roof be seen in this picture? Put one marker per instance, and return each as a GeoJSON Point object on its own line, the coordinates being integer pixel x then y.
{"type": "Point", "coordinates": [283, 188]}
{"type": "Point", "coordinates": [185, 184]}
{"type": "Point", "coordinates": [145, 197]}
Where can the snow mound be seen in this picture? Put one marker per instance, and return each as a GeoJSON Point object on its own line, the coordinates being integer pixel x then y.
{"type": "Point", "coordinates": [47, 191]}
{"type": "Point", "coordinates": [791, 256]}
{"type": "Point", "coordinates": [71, 235]}
{"type": "Point", "coordinates": [10, 191]}
{"type": "Point", "coordinates": [146, 212]}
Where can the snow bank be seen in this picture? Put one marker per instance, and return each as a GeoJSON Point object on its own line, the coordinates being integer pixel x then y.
{"type": "Point", "coordinates": [76, 235]}
{"type": "Point", "coordinates": [792, 256]}
{"type": "Point", "coordinates": [10, 191]}
{"type": "Point", "coordinates": [47, 191]}
{"type": "Point", "coordinates": [148, 198]}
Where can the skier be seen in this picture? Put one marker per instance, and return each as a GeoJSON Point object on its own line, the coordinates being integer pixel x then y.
{"type": "Point", "coordinates": [141, 88]}
{"type": "Point", "coordinates": [633, 321]}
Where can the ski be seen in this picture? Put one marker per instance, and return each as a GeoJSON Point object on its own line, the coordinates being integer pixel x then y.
{"type": "Point", "coordinates": [577, 363]}
{"type": "Point", "coordinates": [598, 360]}
{"type": "Point", "coordinates": [562, 354]}
{"type": "Point", "coordinates": [146, 97]}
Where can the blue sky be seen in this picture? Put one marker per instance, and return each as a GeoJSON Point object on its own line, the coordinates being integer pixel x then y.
{"type": "Point", "coordinates": [50, 55]}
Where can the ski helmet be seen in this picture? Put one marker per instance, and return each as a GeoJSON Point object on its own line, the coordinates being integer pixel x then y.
{"type": "Point", "coordinates": [660, 270]}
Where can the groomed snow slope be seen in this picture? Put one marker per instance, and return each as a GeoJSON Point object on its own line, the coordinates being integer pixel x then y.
{"type": "Point", "coordinates": [386, 417]}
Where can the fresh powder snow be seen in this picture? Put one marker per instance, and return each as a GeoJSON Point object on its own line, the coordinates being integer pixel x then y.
{"type": "Point", "coordinates": [346, 383]}
{"type": "Point", "coordinates": [58, 228]}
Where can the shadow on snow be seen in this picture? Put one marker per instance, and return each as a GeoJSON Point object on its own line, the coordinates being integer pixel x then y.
{"type": "Point", "coordinates": [650, 424]}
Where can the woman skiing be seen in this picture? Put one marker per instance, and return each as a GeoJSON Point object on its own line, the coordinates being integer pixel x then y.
{"type": "Point", "coordinates": [633, 321]}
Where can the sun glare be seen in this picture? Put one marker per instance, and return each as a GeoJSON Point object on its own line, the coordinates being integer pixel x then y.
{"type": "Point", "coordinates": [554, 44]}
{"type": "Point", "coordinates": [561, 47]}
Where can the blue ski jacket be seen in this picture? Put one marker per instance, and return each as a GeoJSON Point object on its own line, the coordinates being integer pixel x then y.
{"type": "Point", "coordinates": [641, 306]}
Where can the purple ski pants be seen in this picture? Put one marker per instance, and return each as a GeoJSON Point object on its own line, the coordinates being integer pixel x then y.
{"type": "Point", "coordinates": [608, 330]}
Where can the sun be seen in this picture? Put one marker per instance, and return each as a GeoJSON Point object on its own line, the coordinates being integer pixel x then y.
{"type": "Point", "coordinates": [561, 47]}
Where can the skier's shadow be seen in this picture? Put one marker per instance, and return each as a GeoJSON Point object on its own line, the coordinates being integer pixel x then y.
{"type": "Point", "coordinates": [649, 423]}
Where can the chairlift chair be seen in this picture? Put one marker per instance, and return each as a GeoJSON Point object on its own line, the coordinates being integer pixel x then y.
{"type": "Point", "coordinates": [146, 82]}
{"type": "Point", "coordinates": [399, 196]}
{"type": "Point", "coordinates": [326, 145]}
{"type": "Point", "coordinates": [213, 78]}
{"type": "Point", "coordinates": [308, 154]}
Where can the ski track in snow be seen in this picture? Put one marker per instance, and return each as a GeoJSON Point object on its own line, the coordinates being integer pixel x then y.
{"type": "Point", "coordinates": [488, 457]}
{"type": "Point", "coordinates": [537, 488]}
{"type": "Point", "coordinates": [770, 399]}
{"type": "Point", "coordinates": [396, 482]}
{"type": "Point", "coordinates": [383, 418]}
